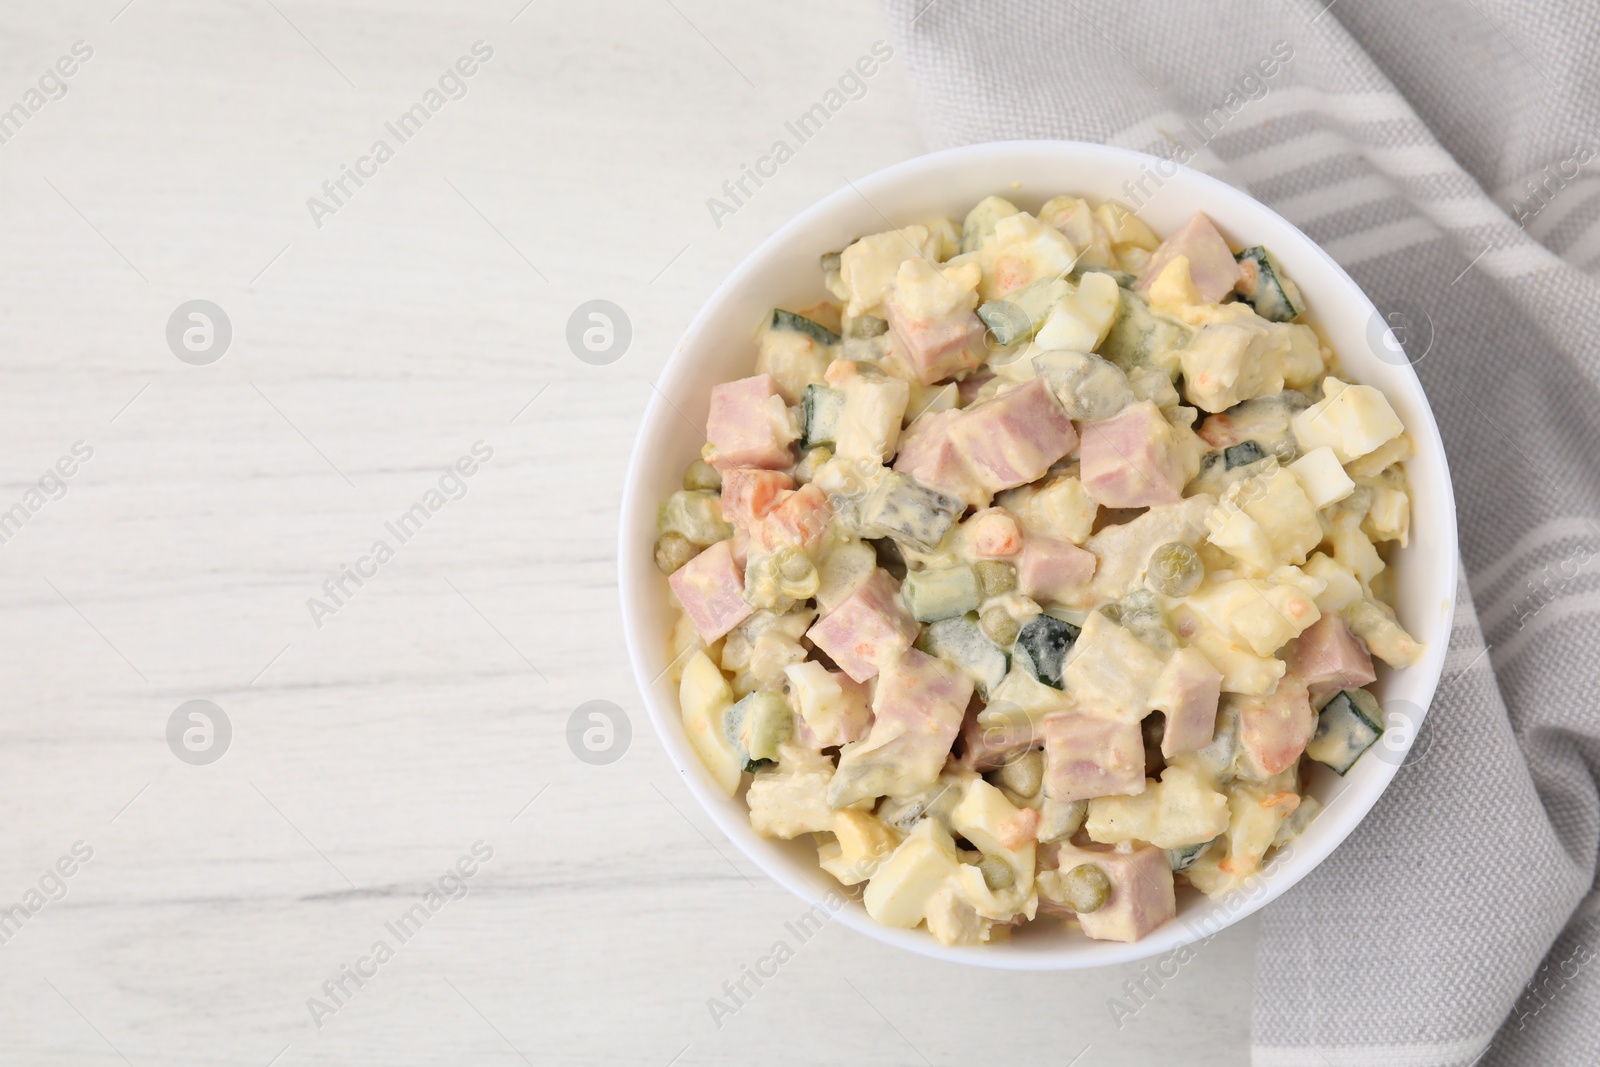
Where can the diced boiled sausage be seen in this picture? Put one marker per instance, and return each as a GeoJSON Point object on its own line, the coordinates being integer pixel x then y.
{"type": "Point", "coordinates": [928, 454]}
{"type": "Point", "coordinates": [869, 628]}
{"type": "Point", "coordinates": [1086, 756]}
{"type": "Point", "coordinates": [1186, 693]}
{"type": "Point", "coordinates": [749, 425]}
{"type": "Point", "coordinates": [1013, 438]}
{"type": "Point", "coordinates": [711, 589]}
{"type": "Point", "coordinates": [1053, 570]}
{"type": "Point", "coordinates": [1330, 658]}
{"type": "Point", "coordinates": [1274, 729]}
{"type": "Point", "coordinates": [937, 348]}
{"type": "Point", "coordinates": [1133, 459]}
{"type": "Point", "coordinates": [985, 748]}
{"type": "Point", "coordinates": [917, 709]}
{"type": "Point", "coordinates": [1142, 895]}
{"type": "Point", "coordinates": [1212, 267]}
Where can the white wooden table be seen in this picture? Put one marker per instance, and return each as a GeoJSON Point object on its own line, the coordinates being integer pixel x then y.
{"type": "Point", "coordinates": [429, 708]}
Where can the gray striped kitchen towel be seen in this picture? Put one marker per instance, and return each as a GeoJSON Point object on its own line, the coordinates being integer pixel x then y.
{"type": "Point", "coordinates": [1444, 151]}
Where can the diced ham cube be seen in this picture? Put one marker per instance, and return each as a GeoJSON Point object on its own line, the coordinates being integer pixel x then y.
{"type": "Point", "coordinates": [924, 434]}
{"type": "Point", "coordinates": [1053, 570]}
{"type": "Point", "coordinates": [967, 389]}
{"type": "Point", "coordinates": [711, 589]}
{"type": "Point", "coordinates": [748, 493]}
{"type": "Point", "coordinates": [1086, 756]}
{"type": "Point", "coordinates": [987, 748]}
{"type": "Point", "coordinates": [869, 628]}
{"type": "Point", "coordinates": [1011, 439]}
{"type": "Point", "coordinates": [1133, 460]}
{"type": "Point", "coordinates": [928, 455]}
{"type": "Point", "coordinates": [994, 534]}
{"type": "Point", "coordinates": [1328, 657]}
{"type": "Point", "coordinates": [1141, 898]}
{"type": "Point", "coordinates": [1274, 729]}
{"type": "Point", "coordinates": [917, 710]}
{"type": "Point", "coordinates": [1186, 693]}
{"type": "Point", "coordinates": [940, 347]}
{"type": "Point", "coordinates": [1212, 267]}
{"type": "Point", "coordinates": [799, 519]}
{"type": "Point", "coordinates": [749, 425]}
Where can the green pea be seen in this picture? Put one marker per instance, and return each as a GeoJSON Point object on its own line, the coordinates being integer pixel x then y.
{"type": "Point", "coordinates": [1025, 774]}
{"type": "Point", "coordinates": [998, 625]}
{"type": "Point", "coordinates": [996, 576]}
{"type": "Point", "coordinates": [997, 874]}
{"type": "Point", "coordinates": [1086, 887]}
{"type": "Point", "coordinates": [797, 575]}
{"type": "Point", "coordinates": [673, 550]}
{"type": "Point", "coordinates": [1175, 569]}
{"type": "Point", "coordinates": [867, 326]}
{"type": "Point", "coordinates": [701, 475]}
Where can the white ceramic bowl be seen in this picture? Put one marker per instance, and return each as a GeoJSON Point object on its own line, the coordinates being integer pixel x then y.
{"type": "Point", "coordinates": [783, 271]}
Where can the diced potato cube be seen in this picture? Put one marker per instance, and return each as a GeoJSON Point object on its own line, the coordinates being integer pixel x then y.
{"type": "Point", "coordinates": [1173, 289]}
{"type": "Point", "coordinates": [999, 829]}
{"type": "Point", "coordinates": [1322, 477]}
{"type": "Point", "coordinates": [869, 427]}
{"type": "Point", "coordinates": [1389, 517]}
{"type": "Point", "coordinates": [944, 238]}
{"type": "Point", "coordinates": [925, 290]}
{"type": "Point", "coordinates": [1230, 362]}
{"type": "Point", "coordinates": [1242, 670]}
{"type": "Point", "coordinates": [1353, 549]}
{"type": "Point", "coordinates": [792, 800]}
{"type": "Point", "coordinates": [1302, 363]}
{"type": "Point", "coordinates": [1075, 218]}
{"type": "Point", "coordinates": [1353, 420]}
{"type": "Point", "coordinates": [1282, 510]}
{"type": "Point", "coordinates": [902, 888]}
{"type": "Point", "coordinates": [794, 359]}
{"type": "Point", "coordinates": [1236, 533]}
{"type": "Point", "coordinates": [1256, 811]}
{"type": "Point", "coordinates": [1294, 612]}
{"type": "Point", "coordinates": [868, 267]}
{"type": "Point", "coordinates": [1110, 671]}
{"type": "Point", "coordinates": [1342, 588]}
{"type": "Point", "coordinates": [1181, 809]}
{"type": "Point", "coordinates": [953, 921]}
{"type": "Point", "coordinates": [1382, 457]}
{"type": "Point", "coordinates": [1264, 614]}
{"type": "Point", "coordinates": [1060, 508]}
{"type": "Point", "coordinates": [1125, 229]}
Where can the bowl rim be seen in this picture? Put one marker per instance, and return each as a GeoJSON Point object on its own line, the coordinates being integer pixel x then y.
{"type": "Point", "coordinates": [1287, 866]}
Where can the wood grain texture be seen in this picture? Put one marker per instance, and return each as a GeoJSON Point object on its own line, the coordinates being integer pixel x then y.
{"type": "Point", "coordinates": [369, 753]}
